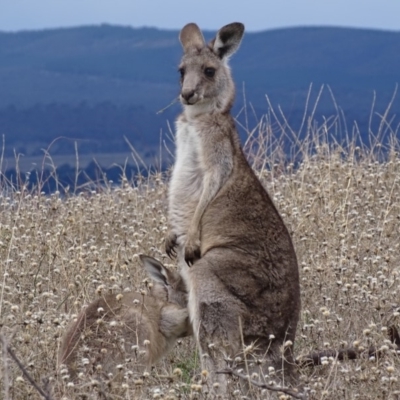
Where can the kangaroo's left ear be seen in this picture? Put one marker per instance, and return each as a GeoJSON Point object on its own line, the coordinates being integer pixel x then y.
{"type": "Point", "coordinates": [227, 40]}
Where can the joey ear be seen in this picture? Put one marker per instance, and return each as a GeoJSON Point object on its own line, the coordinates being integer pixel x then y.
{"type": "Point", "coordinates": [155, 270]}
{"type": "Point", "coordinates": [191, 36]}
{"type": "Point", "coordinates": [227, 40]}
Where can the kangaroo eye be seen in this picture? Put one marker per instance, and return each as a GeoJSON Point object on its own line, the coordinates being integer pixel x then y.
{"type": "Point", "coordinates": [210, 72]}
{"type": "Point", "coordinates": [182, 72]}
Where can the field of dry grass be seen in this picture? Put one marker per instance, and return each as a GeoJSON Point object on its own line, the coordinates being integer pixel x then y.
{"type": "Point", "coordinates": [341, 205]}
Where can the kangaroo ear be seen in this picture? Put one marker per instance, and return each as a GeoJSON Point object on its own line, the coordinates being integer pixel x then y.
{"type": "Point", "coordinates": [227, 40]}
{"type": "Point", "coordinates": [155, 270]}
{"type": "Point", "coordinates": [191, 36]}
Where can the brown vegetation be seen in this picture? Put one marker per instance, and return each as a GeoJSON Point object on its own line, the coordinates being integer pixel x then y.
{"type": "Point", "coordinates": [341, 206]}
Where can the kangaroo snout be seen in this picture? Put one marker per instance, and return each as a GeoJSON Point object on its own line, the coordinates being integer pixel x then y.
{"type": "Point", "coordinates": [189, 97]}
{"type": "Point", "coordinates": [191, 88]}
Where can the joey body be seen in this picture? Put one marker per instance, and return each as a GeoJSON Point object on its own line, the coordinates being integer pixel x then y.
{"type": "Point", "coordinates": [129, 327]}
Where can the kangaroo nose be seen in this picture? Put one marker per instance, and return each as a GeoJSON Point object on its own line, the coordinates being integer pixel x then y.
{"type": "Point", "coordinates": [187, 95]}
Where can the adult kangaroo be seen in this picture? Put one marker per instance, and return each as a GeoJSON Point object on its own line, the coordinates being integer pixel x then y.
{"type": "Point", "coordinates": [234, 250]}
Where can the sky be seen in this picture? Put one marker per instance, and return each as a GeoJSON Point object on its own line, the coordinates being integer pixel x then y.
{"type": "Point", "coordinates": [208, 14]}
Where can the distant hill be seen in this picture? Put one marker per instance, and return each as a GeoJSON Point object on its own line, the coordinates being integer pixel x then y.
{"type": "Point", "coordinates": [100, 83]}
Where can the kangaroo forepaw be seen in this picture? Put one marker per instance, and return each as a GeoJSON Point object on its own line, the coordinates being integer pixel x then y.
{"type": "Point", "coordinates": [170, 244]}
{"type": "Point", "coordinates": [192, 253]}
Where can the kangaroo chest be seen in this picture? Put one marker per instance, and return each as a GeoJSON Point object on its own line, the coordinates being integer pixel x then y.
{"type": "Point", "coordinates": [188, 152]}
{"type": "Point", "coordinates": [186, 183]}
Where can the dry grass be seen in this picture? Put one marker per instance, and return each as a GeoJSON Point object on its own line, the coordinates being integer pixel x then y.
{"type": "Point", "coordinates": [341, 204]}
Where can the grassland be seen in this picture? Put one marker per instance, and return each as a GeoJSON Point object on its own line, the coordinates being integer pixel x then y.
{"type": "Point", "coordinates": [341, 204]}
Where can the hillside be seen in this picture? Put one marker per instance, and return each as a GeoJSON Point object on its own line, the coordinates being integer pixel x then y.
{"type": "Point", "coordinates": [100, 83]}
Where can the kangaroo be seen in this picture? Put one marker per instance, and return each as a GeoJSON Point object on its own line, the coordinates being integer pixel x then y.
{"type": "Point", "coordinates": [234, 250]}
{"type": "Point", "coordinates": [130, 327]}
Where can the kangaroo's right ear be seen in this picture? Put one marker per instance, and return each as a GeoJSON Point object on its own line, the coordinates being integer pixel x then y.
{"type": "Point", "coordinates": [191, 36]}
{"type": "Point", "coordinates": [228, 39]}
{"type": "Point", "coordinates": [156, 270]}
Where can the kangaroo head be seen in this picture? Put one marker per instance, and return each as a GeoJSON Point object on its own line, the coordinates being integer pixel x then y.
{"type": "Point", "coordinates": [206, 81]}
{"type": "Point", "coordinates": [170, 288]}
{"type": "Point", "coordinates": [168, 284]}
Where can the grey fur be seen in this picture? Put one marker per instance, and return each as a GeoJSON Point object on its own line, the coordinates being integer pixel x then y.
{"type": "Point", "coordinates": [244, 280]}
